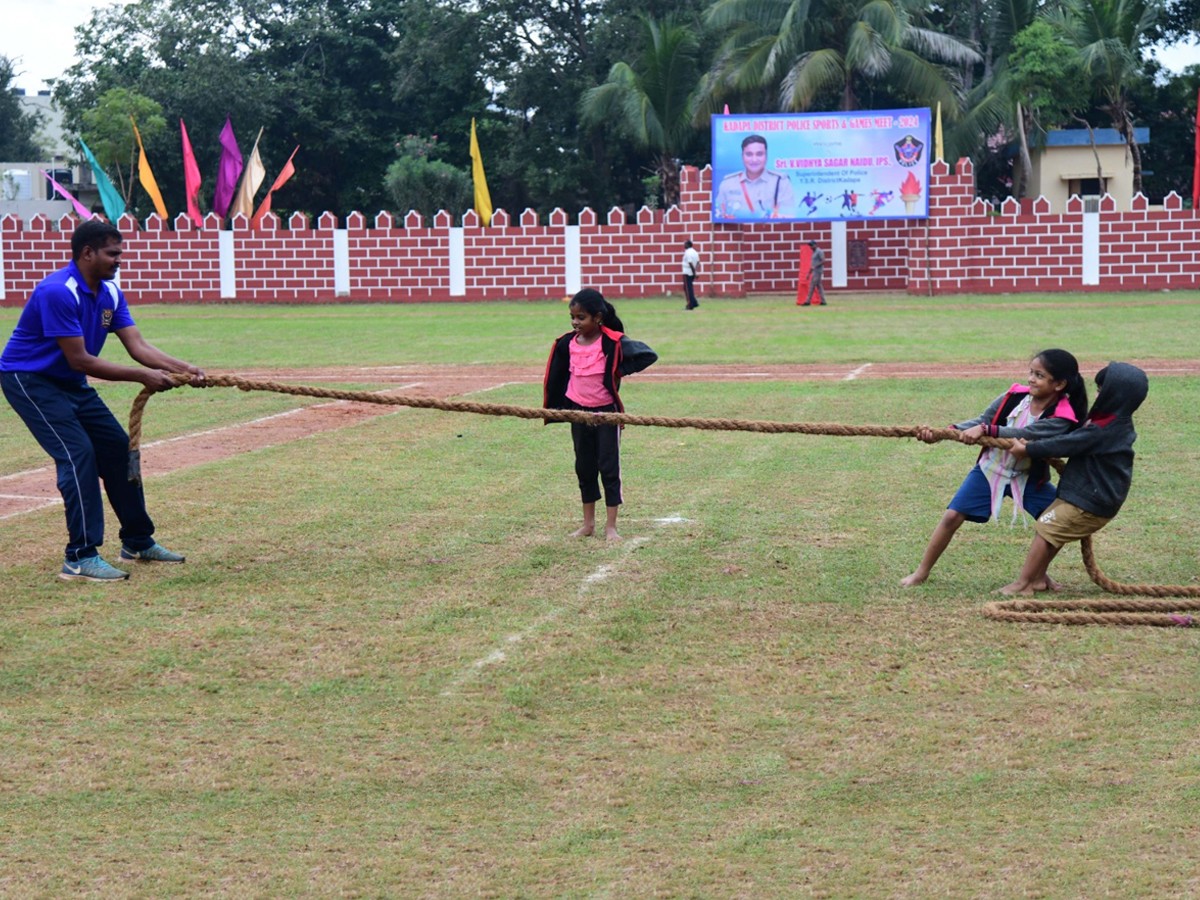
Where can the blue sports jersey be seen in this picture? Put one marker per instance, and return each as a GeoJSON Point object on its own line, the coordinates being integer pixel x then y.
{"type": "Point", "coordinates": [62, 305]}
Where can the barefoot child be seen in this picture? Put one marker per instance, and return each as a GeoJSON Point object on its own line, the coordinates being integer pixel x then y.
{"type": "Point", "coordinates": [1096, 478]}
{"type": "Point", "coordinates": [1053, 402]}
{"type": "Point", "coordinates": [584, 372]}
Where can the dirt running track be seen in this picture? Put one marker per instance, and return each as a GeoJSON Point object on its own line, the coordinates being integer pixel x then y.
{"type": "Point", "coordinates": [24, 492]}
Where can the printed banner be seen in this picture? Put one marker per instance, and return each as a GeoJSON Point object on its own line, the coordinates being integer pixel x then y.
{"type": "Point", "coordinates": [821, 167]}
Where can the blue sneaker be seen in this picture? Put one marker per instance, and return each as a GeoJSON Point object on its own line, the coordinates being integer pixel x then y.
{"type": "Point", "coordinates": [153, 553]}
{"type": "Point", "coordinates": [91, 568]}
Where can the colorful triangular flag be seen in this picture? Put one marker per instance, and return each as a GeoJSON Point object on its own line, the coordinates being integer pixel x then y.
{"type": "Point", "coordinates": [191, 178]}
{"type": "Point", "coordinates": [228, 170]}
{"type": "Point", "coordinates": [252, 178]}
{"type": "Point", "coordinates": [146, 176]}
{"type": "Point", "coordinates": [114, 205]}
{"type": "Point", "coordinates": [483, 198]}
{"type": "Point", "coordinates": [939, 153]}
{"type": "Point", "coordinates": [83, 211]}
{"type": "Point", "coordinates": [285, 173]}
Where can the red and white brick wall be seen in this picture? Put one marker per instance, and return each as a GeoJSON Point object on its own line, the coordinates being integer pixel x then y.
{"type": "Point", "coordinates": [964, 246]}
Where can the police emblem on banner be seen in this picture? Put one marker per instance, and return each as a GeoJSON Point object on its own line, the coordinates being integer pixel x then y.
{"type": "Point", "coordinates": [908, 151]}
{"type": "Point", "coordinates": [106, 319]}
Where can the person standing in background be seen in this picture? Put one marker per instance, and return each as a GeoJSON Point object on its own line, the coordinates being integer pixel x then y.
{"type": "Point", "coordinates": [818, 275]}
{"type": "Point", "coordinates": [691, 266]}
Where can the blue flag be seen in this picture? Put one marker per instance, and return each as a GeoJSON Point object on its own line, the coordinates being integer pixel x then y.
{"type": "Point", "coordinates": [114, 206]}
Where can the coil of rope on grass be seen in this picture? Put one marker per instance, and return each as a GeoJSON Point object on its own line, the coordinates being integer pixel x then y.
{"type": "Point", "coordinates": [1070, 612]}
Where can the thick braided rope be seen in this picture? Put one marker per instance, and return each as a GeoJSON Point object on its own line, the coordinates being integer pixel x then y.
{"type": "Point", "coordinates": [1068, 612]}
{"type": "Point", "coordinates": [1161, 613]}
{"type": "Point", "coordinates": [548, 415]}
{"type": "Point", "coordinates": [1143, 611]}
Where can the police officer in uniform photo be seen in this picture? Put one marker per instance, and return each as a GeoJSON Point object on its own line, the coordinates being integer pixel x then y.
{"type": "Point", "coordinates": [755, 193]}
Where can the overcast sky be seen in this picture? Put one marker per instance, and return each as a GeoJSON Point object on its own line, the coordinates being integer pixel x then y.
{"type": "Point", "coordinates": [39, 36]}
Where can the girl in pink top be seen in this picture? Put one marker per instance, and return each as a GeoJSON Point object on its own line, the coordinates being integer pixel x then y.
{"type": "Point", "coordinates": [584, 372]}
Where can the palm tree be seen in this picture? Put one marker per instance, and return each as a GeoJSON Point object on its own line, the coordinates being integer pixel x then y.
{"type": "Point", "coordinates": [654, 98]}
{"type": "Point", "coordinates": [1110, 36]}
{"type": "Point", "coordinates": [803, 51]}
{"type": "Point", "coordinates": [990, 110]}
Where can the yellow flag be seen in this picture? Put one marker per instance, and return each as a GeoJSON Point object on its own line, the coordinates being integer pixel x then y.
{"type": "Point", "coordinates": [146, 177]}
{"type": "Point", "coordinates": [252, 178]}
{"type": "Point", "coordinates": [483, 200]}
{"type": "Point", "coordinates": [937, 134]}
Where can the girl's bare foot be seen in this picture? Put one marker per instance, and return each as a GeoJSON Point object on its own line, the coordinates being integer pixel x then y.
{"type": "Point", "coordinates": [610, 534]}
{"type": "Point", "coordinates": [1048, 585]}
{"type": "Point", "coordinates": [913, 580]}
{"type": "Point", "coordinates": [1016, 589]}
{"type": "Point", "coordinates": [585, 531]}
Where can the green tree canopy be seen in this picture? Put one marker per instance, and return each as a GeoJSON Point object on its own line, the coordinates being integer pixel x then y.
{"type": "Point", "coordinates": [18, 127]}
{"type": "Point", "coordinates": [843, 54]}
{"type": "Point", "coordinates": [108, 131]}
{"type": "Point", "coordinates": [653, 99]}
{"type": "Point", "coordinates": [416, 181]}
{"type": "Point", "coordinates": [1046, 86]}
{"type": "Point", "coordinates": [1110, 36]}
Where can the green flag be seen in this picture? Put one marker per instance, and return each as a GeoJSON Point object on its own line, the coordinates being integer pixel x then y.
{"type": "Point", "coordinates": [114, 206]}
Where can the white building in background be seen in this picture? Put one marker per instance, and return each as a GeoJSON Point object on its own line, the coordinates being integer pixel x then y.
{"type": "Point", "coordinates": [24, 191]}
{"type": "Point", "coordinates": [1068, 165]}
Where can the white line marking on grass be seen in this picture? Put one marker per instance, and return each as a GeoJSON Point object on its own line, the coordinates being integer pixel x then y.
{"type": "Point", "coordinates": [183, 437]}
{"type": "Point", "coordinates": [36, 471]}
{"type": "Point", "coordinates": [223, 428]}
{"type": "Point", "coordinates": [706, 376]}
{"type": "Point", "coordinates": [24, 512]}
{"type": "Point", "coordinates": [495, 387]}
{"type": "Point", "coordinates": [272, 417]}
{"type": "Point", "coordinates": [853, 375]}
{"type": "Point", "coordinates": [599, 575]}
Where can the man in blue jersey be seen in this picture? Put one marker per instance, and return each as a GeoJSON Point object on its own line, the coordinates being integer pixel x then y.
{"type": "Point", "coordinates": [43, 373]}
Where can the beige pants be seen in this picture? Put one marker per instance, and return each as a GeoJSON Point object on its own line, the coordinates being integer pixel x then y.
{"type": "Point", "coordinates": [1062, 523]}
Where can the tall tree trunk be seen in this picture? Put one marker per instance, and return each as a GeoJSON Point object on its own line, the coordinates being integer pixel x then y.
{"type": "Point", "coordinates": [668, 176]}
{"type": "Point", "coordinates": [1095, 152]}
{"type": "Point", "coordinates": [1136, 152]}
{"type": "Point", "coordinates": [1026, 170]}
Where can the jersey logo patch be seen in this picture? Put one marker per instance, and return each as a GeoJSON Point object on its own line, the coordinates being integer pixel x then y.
{"type": "Point", "coordinates": [106, 317]}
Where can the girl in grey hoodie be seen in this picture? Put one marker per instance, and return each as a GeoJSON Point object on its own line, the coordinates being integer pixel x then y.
{"type": "Point", "coordinates": [1096, 479]}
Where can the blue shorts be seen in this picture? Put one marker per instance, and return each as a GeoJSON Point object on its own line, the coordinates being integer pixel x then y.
{"type": "Point", "coordinates": [974, 498]}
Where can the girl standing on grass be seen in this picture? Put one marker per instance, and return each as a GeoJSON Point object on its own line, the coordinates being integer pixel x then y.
{"type": "Point", "coordinates": [584, 372]}
{"type": "Point", "coordinates": [1052, 403]}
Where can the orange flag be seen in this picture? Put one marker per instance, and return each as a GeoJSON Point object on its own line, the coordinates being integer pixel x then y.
{"type": "Point", "coordinates": [285, 173]}
{"type": "Point", "coordinates": [146, 176]}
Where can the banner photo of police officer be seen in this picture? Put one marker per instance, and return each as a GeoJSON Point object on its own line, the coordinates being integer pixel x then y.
{"type": "Point", "coordinates": [821, 167]}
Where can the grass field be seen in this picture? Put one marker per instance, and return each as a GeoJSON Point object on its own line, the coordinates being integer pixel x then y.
{"type": "Point", "coordinates": [385, 670]}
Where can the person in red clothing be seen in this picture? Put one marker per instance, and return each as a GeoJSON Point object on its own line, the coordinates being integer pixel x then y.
{"type": "Point", "coordinates": [584, 372]}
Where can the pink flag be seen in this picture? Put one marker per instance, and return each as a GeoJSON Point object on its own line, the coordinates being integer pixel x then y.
{"type": "Point", "coordinates": [228, 171]}
{"type": "Point", "coordinates": [285, 173]}
{"type": "Point", "coordinates": [191, 178]}
{"type": "Point", "coordinates": [83, 211]}
{"type": "Point", "coordinates": [1196, 159]}
{"type": "Point", "coordinates": [726, 109]}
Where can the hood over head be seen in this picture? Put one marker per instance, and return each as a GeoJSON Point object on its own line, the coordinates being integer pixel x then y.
{"type": "Point", "coordinates": [1122, 389]}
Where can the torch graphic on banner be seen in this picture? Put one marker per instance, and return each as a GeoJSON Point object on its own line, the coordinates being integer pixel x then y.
{"type": "Point", "coordinates": [910, 192]}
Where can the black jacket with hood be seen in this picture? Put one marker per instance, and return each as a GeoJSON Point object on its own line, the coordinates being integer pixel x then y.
{"type": "Point", "coordinates": [1100, 454]}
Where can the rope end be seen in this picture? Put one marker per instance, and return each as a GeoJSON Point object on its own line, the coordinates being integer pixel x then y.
{"type": "Point", "coordinates": [135, 466]}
